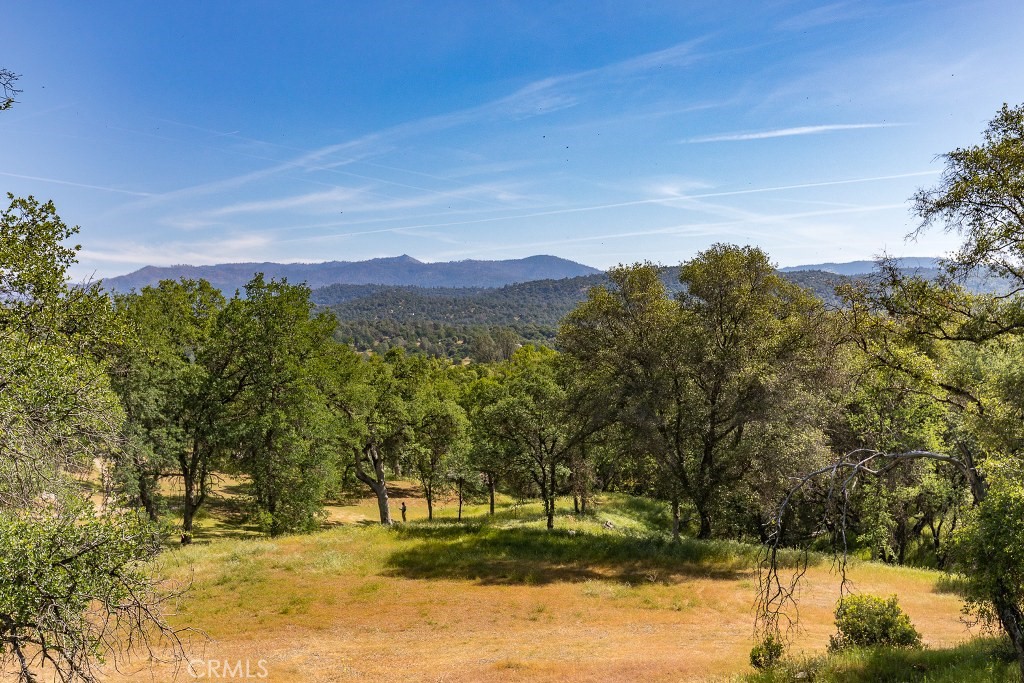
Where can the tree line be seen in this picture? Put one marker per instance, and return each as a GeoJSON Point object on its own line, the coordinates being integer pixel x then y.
{"type": "Point", "coordinates": [691, 398]}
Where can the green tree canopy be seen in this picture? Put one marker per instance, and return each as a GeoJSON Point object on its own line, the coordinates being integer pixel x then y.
{"type": "Point", "coordinates": [714, 384]}
{"type": "Point", "coordinates": [74, 584]}
{"type": "Point", "coordinates": [278, 429]}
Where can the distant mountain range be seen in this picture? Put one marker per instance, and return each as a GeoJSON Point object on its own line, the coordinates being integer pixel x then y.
{"type": "Point", "coordinates": [866, 267]}
{"type": "Point", "coordinates": [406, 271]}
{"type": "Point", "coordinates": [400, 270]}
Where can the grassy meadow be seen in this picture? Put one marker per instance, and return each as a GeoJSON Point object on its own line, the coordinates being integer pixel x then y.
{"type": "Point", "coordinates": [604, 597]}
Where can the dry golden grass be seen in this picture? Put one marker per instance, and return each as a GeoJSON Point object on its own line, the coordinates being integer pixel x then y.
{"type": "Point", "coordinates": [499, 601]}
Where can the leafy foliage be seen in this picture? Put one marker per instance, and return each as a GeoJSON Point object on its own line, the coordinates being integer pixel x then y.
{"type": "Point", "coordinates": [715, 384]}
{"type": "Point", "coordinates": [532, 417]}
{"type": "Point", "coordinates": [981, 195]}
{"type": "Point", "coordinates": [868, 620]}
{"type": "Point", "coordinates": [76, 587]}
{"type": "Point", "coordinates": [74, 584]}
{"type": "Point", "coordinates": [989, 548]}
{"type": "Point", "coordinates": [172, 380]}
{"type": "Point", "coordinates": [767, 653]}
{"type": "Point", "coordinates": [956, 354]}
{"type": "Point", "coordinates": [279, 429]}
{"type": "Point", "coordinates": [980, 660]}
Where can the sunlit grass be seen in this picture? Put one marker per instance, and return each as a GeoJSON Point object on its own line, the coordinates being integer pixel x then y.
{"type": "Point", "coordinates": [983, 660]}
{"type": "Point", "coordinates": [604, 596]}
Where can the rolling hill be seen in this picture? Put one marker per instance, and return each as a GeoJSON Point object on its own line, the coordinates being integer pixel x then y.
{"type": "Point", "coordinates": [469, 322]}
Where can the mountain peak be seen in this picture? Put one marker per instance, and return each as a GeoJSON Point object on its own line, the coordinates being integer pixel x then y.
{"type": "Point", "coordinates": [404, 258]}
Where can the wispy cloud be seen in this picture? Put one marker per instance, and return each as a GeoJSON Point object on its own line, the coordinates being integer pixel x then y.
{"type": "Point", "coordinates": [74, 184]}
{"type": "Point", "coordinates": [718, 229]}
{"type": "Point", "coordinates": [788, 132]}
{"type": "Point", "coordinates": [366, 204]}
{"type": "Point", "coordinates": [234, 248]}
{"type": "Point", "coordinates": [669, 195]}
{"type": "Point", "coordinates": [822, 16]}
{"type": "Point", "coordinates": [330, 198]}
{"type": "Point", "coordinates": [537, 98]}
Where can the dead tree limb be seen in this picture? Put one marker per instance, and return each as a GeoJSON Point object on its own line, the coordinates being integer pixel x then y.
{"type": "Point", "coordinates": [777, 612]}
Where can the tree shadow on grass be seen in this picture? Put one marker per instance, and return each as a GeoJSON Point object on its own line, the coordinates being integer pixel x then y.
{"type": "Point", "coordinates": [222, 516]}
{"type": "Point", "coordinates": [501, 556]}
{"type": "Point", "coordinates": [655, 514]}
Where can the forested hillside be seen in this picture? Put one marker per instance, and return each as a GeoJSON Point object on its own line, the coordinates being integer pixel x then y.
{"type": "Point", "coordinates": [484, 324]}
{"type": "Point", "coordinates": [476, 322]}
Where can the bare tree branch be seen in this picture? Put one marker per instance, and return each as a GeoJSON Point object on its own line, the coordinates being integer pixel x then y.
{"type": "Point", "coordinates": [8, 91]}
{"type": "Point", "coordinates": [776, 605]}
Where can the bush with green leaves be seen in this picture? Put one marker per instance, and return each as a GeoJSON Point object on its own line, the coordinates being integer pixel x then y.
{"type": "Point", "coordinates": [868, 620]}
{"type": "Point", "coordinates": [77, 590]}
{"type": "Point", "coordinates": [989, 548]}
{"type": "Point", "coordinates": [767, 653]}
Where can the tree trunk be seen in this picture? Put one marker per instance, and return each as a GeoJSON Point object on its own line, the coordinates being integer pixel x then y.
{"type": "Point", "coordinates": [186, 522]}
{"type": "Point", "coordinates": [194, 473]}
{"type": "Point", "coordinates": [379, 484]}
{"type": "Point", "coordinates": [147, 496]}
{"type": "Point", "coordinates": [705, 522]}
{"type": "Point", "coordinates": [460, 500]}
{"type": "Point", "coordinates": [576, 503]}
{"type": "Point", "coordinates": [675, 519]}
{"type": "Point", "coordinates": [382, 505]}
{"type": "Point", "coordinates": [490, 488]}
{"type": "Point", "coordinates": [430, 505]}
{"type": "Point", "coordinates": [940, 556]}
{"type": "Point", "coordinates": [551, 497]}
{"type": "Point", "coordinates": [190, 505]}
{"type": "Point", "coordinates": [1012, 620]}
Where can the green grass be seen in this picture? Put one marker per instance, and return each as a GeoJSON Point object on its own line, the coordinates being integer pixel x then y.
{"type": "Point", "coordinates": [982, 660]}
{"type": "Point", "coordinates": [514, 547]}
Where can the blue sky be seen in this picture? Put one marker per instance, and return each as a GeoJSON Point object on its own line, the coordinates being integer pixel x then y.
{"type": "Point", "coordinates": [603, 132]}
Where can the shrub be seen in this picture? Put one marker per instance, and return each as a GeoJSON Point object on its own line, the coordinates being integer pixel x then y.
{"type": "Point", "coordinates": [866, 620]}
{"type": "Point", "coordinates": [767, 653]}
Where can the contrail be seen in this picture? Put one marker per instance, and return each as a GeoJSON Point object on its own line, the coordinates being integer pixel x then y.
{"type": "Point", "coordinates": [670, 198]}
{"type": "Point", "coordinates": [74, 184]}
{"type": "Point", "coordinates": [789, 132]}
